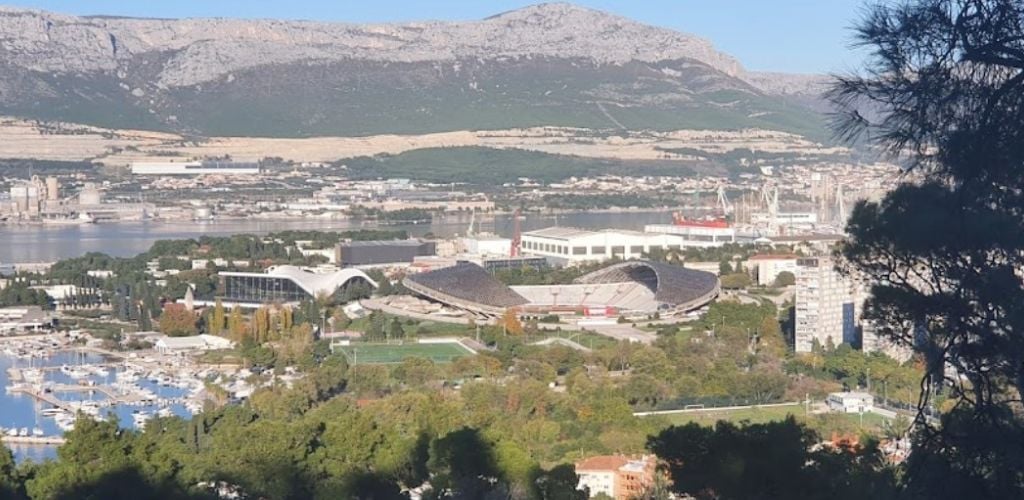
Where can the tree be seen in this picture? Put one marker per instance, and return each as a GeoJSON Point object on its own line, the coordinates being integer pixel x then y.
{"type": "Point", "coordinates": [510, 322]}
{"type": "Point", "coordinates": [464, 466]}
{"type": "Point", "coordinates": [177, 321]}
{"type": "Point", "coordinates": [945, 84]}
{"type": "Point", "coordinates": [736, 281]}
{"type": "Point", "coordinates": [724, 268]}
{"type": "Point", "coordinates": [559, 483]}
{"type": "Point", "coordinates": [218, 319]}
{"type": "Point", "coordinates": [395, 330]}
{"type": "Point", "coordinates": [763, 461]}
{"type": "Point", "coordinates": [784, 278]}
{"type": "Point", "coordinates": [236, 324]}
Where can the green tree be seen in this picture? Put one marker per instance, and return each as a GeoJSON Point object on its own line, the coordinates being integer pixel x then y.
{"type": "Point", "coordinates": [784, 278]}
{"type": "Point", "coordinates": [724, 268]}
{"type": "Point", "coordinates": [944, 253]}
{"type": "Point", "coordinates": [217, 320]}
{"type": "Point", "coordinates": [559, 483]}
{"type": "Point", "coordinates": [236, 324]}
{"type": "Point", "coordinates": [395, 330]}
{"type": "Point", "coordinates": [736, 281]}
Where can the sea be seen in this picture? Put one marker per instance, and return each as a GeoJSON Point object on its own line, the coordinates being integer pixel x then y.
{"type": "Point", "coordinates": [35, 243]}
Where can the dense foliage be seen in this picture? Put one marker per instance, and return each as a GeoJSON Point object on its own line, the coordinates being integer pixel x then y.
{"type": "Point", "coordinates": [945, 83]}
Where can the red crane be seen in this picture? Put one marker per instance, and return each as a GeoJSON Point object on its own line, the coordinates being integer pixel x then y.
{"type": "Point", "coordinates": [517, 236]}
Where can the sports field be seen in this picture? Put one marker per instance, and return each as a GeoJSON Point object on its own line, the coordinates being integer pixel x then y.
{"type": "Point", "coordinates": [394, 353]}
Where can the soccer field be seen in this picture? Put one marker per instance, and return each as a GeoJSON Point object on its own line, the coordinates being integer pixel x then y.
{"type": "Point", "coordinates": [395, 353]}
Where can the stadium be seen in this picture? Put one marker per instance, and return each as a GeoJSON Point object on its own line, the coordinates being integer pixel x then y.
{"type": "Point", "coordinates": [636, 287]}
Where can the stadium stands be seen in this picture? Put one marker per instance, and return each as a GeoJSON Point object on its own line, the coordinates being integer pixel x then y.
{"type": "Point", "coordinates": [630, 287]}
{"type": "Point", "coordinates": [465, 286]}
{"type": "Point", "coordinates": [673, 286]}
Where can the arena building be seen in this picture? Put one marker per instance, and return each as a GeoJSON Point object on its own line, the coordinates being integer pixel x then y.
{"type": "Point", "coordinates": [287, 284]}
{"type": "Point", "coordinates": [628, 288]}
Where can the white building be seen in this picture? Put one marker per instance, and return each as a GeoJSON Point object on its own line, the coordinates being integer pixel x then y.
{"type": "Point", "coordinates": [850, 402]}
{"type": "Point", "coordinates": [769, 267]}
{"type": "Point", "coordinates": [23, 318]}
{"type": "Point", "coordinates": [487, 245]}
{"type": "Point", "coordinates": [568, 245]}
{"type": "Point", "coordinates": [203, 342]}
{"type": "Point", "coordinates": [195, 168]}
{"type": "Point", "coordinates": [825, 305]}
{"type": "Point", "coordinates": [697, 233]}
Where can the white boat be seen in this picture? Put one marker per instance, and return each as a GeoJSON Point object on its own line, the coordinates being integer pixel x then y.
{"type": "Point", "coordinates": [12, 432]}
{"type": "Point", "coordinates": [165, 413]}
{"type": "Point", "coordinates": [37, 432]}
{"type": "Point", "coordinates": [23, 432]}
{"type": "Point", "coordinates": [52, 412]}
{"type": "Point", "coordinates": [65, 422]}
{"type": "Point", "coordinates": [82, 218]}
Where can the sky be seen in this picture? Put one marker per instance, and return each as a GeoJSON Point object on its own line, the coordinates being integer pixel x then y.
{"type": "Point", "coordinates": [795, 36]}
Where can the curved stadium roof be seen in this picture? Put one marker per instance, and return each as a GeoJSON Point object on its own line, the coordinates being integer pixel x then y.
{"type": "Point", "coordinates": [465, 285]}
{"type": "Point", "coordinates": [674, 285]}
{"type": "Point", "coordinates": [470, 287]}
{"type": "Point", "coordinates": [312, 282]}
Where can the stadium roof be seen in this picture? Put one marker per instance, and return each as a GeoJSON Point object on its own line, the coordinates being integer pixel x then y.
{"type": "Point", "coordinates": [465, 285]}
{"type": "Point", "coordinates": [674, 285]}
{"type": "Point", "coordinates": [559, 233]}
{"type": "Point", "coordinates": [314, 283]}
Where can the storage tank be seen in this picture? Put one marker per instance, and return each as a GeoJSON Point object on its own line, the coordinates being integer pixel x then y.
{"type": "Point", "coordinates": [52, 189]}
{"type": "Point", "coordinates": [90, 195]}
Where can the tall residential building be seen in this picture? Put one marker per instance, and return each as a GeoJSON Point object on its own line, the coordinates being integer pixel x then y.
{"type": "Point", "coordinates": [873, 340]}
{"type": "Point", "coordinates": [825, 305]}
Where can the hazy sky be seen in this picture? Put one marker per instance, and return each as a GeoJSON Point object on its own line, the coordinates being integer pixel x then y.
{"type": "Point", "coordinates": [806, 36]}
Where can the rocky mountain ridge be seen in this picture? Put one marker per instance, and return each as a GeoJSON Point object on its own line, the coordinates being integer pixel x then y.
{"type": "Point", "coordinates": [548, 64]}
{"type": "Point", "coordinates": [211, 48]}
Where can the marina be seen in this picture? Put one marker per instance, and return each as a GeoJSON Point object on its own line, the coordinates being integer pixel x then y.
{"type": "Point", "coordinates": [48, 385]}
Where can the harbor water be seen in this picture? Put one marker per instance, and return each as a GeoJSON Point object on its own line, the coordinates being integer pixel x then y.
{"type": "Point", "coordinates": [23, 411]}
{"type": "Point", "coordinates": [125, 239]}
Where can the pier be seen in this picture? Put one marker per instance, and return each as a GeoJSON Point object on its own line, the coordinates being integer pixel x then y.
{"type": "Point", "coordinates": [113, 397]}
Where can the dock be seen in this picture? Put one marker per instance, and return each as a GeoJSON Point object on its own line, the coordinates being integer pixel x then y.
{"type": "Point", "coordinates": [113, 397]}
{"type": "Point", "coordinates": [33, 440]}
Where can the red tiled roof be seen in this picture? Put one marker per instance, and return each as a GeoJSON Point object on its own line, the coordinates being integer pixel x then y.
{"type": "Point", "coordinates": [610, 463]}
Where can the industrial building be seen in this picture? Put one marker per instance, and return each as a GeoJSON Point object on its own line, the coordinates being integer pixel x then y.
{"type": "Point", "coordinates": [568, 246]}
{"type": "Point", "coordinates": [195, 168]}
{"type": "Point", "coordinates": [483, 244]}
{"type": "Point", "coordinates": [697, 233]}
{"type": "Point", "coordinates": [380, 253]}
{"type": "Point", "coordinates": [826, 305]}
{"type": "Point", "coordinates": [288, 284]}
{"type": "Point", "coordinates": [24, 318]}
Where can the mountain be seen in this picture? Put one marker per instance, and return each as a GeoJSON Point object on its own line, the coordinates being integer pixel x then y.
{"type": "Point", "coordinates": [549, 64]}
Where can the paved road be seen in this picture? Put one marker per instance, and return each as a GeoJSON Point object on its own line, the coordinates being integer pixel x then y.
{"type": "Point", "coordinates": [624, 332]}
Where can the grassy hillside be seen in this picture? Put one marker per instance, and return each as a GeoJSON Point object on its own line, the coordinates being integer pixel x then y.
{"type": "Point", "coordinates": [487, 166]}
{"type": "Point", "coordinates": [362, 98]}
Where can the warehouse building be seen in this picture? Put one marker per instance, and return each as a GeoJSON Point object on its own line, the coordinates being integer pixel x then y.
{"type": "Point", "coordinates": [195, 168]}
{"type": "Point", "coordinates": [380, 253]}
{"type": "Point", "coordinates": [567, 246]}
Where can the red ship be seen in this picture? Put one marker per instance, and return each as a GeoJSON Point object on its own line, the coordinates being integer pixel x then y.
{"type": "Point", "coordinates": [679, 220]}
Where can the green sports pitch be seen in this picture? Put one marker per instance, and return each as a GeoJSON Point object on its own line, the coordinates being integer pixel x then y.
{"type": "Point", "coordinates": [360, 353]}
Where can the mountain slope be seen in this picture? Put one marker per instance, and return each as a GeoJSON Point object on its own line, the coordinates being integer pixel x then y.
{"type": "Point", "coordinates": [550, 64]}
